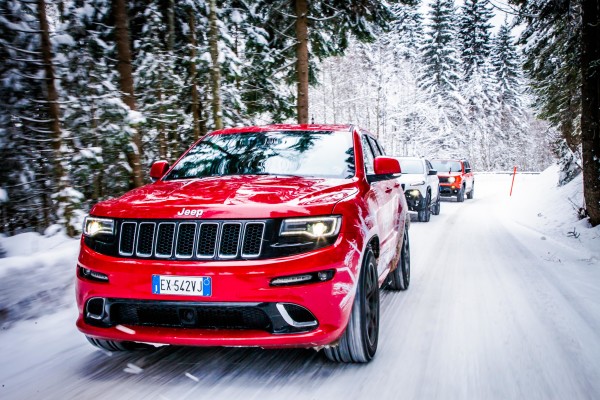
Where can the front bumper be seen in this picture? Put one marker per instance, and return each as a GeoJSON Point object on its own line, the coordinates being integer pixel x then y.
{"type": "Point", "coordinates": [449, 190]}
{"type": "Point", "coordinates": [243, 310]}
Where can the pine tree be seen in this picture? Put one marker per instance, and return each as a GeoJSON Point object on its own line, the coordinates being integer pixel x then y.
{"type": "Point", "coordinates": [32, 141]}
{"type": "Point", "coordinates": [326, 26]}
{"type": "Point", "coordinates": [134, 150]}
{"type": "Point", "coordinates": [439, 53]}
{"type": "Point", "coordinates": [93, 113]}
{"type": "Point", "coordinates": [475, 35]}
{"type": "Point", "coordinates": [552, 40]}
{"type": "Point", "coordinates": [407, 31]}
{"type": "Point", "coordinates": [439, 78]}
{"type": "Point", "coordinates": [506, 63]}
{"type": "Point", "coordinates": [509, 92]}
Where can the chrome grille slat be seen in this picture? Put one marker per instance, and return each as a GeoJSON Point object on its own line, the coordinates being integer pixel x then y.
{"type": "Point", "coordinates": [186, 238]}
{"type": "Point", "coordinates": [230, 239]}
{"type": "Point", "coordinates": [165, 239]}
{"type": "Point", "coordinates": [191, 239]}
{"type": "Point", "coordinates": [127, 238]}
{"type": "Point", "coordinates": [144, 245]}
{"type": "Point", "coordinates": [252, 241]}
{"type": "Point", "coordinates": [208, 238]}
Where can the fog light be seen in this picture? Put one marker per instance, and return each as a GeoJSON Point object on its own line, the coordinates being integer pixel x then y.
{"type": "Point", "coordinates": [325, 275]}
{"type": "Point", "coordinates": [313, 277]}
{"type": "Point", "coordinates": [290, 280]}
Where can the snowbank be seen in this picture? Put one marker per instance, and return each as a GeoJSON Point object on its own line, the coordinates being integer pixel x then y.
{"type": "Point", "coordinates": [553, 211]}
{"type": "Point", "coordinates": [36, 276]}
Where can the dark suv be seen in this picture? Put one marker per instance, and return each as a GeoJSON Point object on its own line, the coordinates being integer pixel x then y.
{"type": "Point", "coordinates": [456, 178]}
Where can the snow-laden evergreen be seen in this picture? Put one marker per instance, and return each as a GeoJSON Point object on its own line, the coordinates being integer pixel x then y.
{"type": "Point", "coordinates": [440, 61]}
{"type": "Point", "coordinates": [475, 35]}
{"type": "Point", "coordinates": [552, 52]}
{"type": "Point", "coordinates": [97, 120]}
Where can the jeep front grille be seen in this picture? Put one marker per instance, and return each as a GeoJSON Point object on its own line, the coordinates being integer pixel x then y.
{"type": "Point", "coordinates": [184, 240]}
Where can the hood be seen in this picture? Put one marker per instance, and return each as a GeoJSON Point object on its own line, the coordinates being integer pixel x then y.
{"type": "Point", "coordinates": [243, 197]}
{"type": "Point", "coordinates": [446, 174]}
{"type": "Point", "coordinates": [411, 178]}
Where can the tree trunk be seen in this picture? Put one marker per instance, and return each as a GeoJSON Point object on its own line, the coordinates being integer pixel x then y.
{"type": "Point", "coordinates": [134, 153]}
{"type": "Point", "coordinates": [193, 84]}
{"type": "Point", "coordinates": [171, 26]}
{"type": "Point", "coordinates": [215, 72]}
{"type": "Point", "coordinates": [52, 95]}
{"type": "Point", "coordinates": [162, 132]}
{"type": "Point", "coordinates": [590, 104]}
{"type": "Point", "coordinates": [302, 60]}
{"type": "Point", "coordinates": [60, 176]}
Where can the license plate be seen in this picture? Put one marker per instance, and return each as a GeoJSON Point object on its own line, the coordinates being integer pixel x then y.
{"type": "Point", "coordinates": [182, 285]}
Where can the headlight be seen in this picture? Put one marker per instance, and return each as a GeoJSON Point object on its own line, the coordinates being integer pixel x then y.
{"type": "Point", "coordinates": [314, 227]}
{"type": "Point", "coordinates": [417, 183]}
{"type": "Point", "coordinates": [413, 193]}
{"type": "Point", "coordinates": [93, 226]}
{"type": "Point", "coordinates": [451, 179]}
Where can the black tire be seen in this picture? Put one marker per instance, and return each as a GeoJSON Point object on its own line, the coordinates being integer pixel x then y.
{"type": "Point", "coordinates": [400, 277]}
{"type": "Point", "coordinates": [425, 213]}
{"type": "Point", "coordinates": [435, 209]}
{"type": "Point", "coordinates": [358, 344]}
{"type": "Point", "coordinates": [471, 192]}
{"type": "Point", "coordinates": [460, 197]}
{"type": "Point", "coordinates": [113, 345]}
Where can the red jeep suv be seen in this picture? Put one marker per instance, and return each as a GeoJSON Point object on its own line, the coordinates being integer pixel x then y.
{"type": "Point", "coordinates": [456, 178]}
{"type": "Point", "coordinates": [273, 236]}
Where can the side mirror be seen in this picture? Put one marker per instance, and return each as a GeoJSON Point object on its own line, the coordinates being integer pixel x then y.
{"type": "Point", "coordinates": [432, 172]}
{"type": "Point", "coordinates": [386, 166]}
{"type": "Point", "coordinates": [158, 170]}
{"type": "Point", "coordinates": [467, 170]}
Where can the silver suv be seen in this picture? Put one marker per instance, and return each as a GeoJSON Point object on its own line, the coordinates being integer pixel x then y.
{"type": "Point", "coordinates": [421, 186]}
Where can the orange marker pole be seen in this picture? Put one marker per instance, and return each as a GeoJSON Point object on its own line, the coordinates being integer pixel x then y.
{"type": "Point", "coordinates": [513, 180]}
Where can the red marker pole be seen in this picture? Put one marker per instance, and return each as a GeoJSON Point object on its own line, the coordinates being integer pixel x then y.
{"type": "Point", "coordinates": [513, 180]}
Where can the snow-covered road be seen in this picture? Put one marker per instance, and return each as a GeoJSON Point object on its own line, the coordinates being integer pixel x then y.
{"type": "Point", "coordinates": [496, 310]}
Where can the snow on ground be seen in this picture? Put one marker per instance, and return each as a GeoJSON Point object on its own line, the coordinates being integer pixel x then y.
{"type": "Point", "coordinates": [37, 275]}
{"type": "Point", "coordinates": [553, 210]}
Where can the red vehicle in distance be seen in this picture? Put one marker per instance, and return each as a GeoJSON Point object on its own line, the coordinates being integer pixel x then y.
{"type": "Point", "coordinates": [456, 178]}
{"type": "Point", "coordinates": [274, 236]}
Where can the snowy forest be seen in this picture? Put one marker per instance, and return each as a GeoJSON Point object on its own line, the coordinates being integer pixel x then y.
{"type": "Point", "coordinates": [92, 92]}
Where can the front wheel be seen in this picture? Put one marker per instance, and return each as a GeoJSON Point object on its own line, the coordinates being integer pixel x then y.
{"type": "Point", "coordinates": [425, 213]}
{"type": "Point", "coordinates": [435, 209]}
{"type": "Point", "coordinates": [400, 277]}
{"type": "Point", "coordinates": [471, 192]}
{"type": "Point", "coordinates": [358, 344]}
{"type": "Point", "coordinates": [460, 197]}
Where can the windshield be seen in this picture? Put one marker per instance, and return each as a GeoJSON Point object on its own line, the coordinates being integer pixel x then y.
{"type": "Point", "coordinates": [299, 153]}
{"type": "Point", "coordinates": [446, 166]}
{"type": "Point", "coordinates": [411, 166]}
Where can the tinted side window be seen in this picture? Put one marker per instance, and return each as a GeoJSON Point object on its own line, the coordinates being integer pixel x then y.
{"type": "Point", "coordinates": [368, 156]}
{"type": "Point", "coordinates": [376, 147]}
